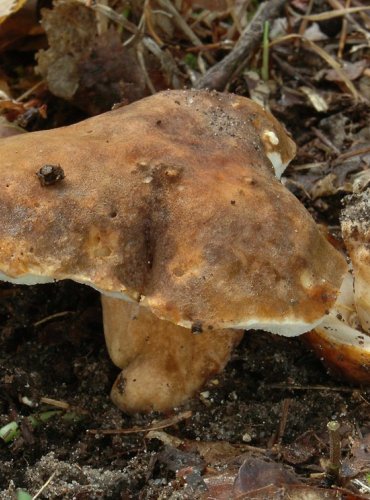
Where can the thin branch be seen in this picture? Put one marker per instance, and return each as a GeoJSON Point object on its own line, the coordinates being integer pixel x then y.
{"type": "Point", "coordinates": [221, 73]}
{"type": "Point", "coordinates": [162, 424]}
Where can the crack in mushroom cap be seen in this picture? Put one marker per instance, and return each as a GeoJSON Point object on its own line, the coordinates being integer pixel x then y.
{"type": "Point", "coordinates": [171, 201]}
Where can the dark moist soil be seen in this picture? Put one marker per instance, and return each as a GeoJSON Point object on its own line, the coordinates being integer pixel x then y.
{"type": "Point", "coordinates": [53, 346]}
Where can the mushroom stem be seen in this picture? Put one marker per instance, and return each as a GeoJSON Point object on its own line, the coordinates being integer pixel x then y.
{"type": "Point", "coordinates": [163, 364]}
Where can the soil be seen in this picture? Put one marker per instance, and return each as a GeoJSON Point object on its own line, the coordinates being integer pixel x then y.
{"type": "Point", "coordinates": [52, 346]}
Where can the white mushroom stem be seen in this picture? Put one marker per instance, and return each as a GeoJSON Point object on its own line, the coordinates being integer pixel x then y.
{"type": "Point", "coordinates": [163, 364]}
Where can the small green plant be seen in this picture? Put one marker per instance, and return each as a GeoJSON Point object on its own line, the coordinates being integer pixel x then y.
{"type": "Point", "coordinates": [11, 431]}
{"type": "Point", "coordinates": [191, 61]}
{"type": "Point", "coordinates": [23, 495]}
{"type": "Point", "coordinates": [265, 52]}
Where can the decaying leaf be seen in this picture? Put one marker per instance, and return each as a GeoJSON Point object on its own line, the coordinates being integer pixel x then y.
{"type": "Point", "coordinates": [7, 128]}
{"type": "Point", "coordinates": [93, 70]}
{"type": "Point", "coordinates": [263, 479]}
{"type": "Point", "coordinates": [325, 186]}
{"type": "Point", "coordinates": [359, 461]}
{"type": "Point", "coordinates": [351, 70]}
{"type": "Point", "coordinates": [317, 101]}
{"type": "Point", "coordinates": [301, 450]}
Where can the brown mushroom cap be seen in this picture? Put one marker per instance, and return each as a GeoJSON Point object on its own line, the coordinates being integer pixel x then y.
{"type": "Point", "coordinates": [171, 201]}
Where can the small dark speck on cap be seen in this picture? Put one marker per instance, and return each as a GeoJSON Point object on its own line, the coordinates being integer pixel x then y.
{"type": "Point", "coordinates": [50, 174]}
{"type": "Point", "coordinates": [197, 327]}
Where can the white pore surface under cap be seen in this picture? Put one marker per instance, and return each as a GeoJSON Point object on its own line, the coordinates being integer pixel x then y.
{"type": "Point", "coordinates": [286, 328]}
{"type": "Point", "coordinates": [34, 279]}
{"type": "Point", "coordinates": [26, 279]}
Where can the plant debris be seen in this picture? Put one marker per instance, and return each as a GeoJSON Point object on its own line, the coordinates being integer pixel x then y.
{"type": "Point", "coordinates": [259, 429]}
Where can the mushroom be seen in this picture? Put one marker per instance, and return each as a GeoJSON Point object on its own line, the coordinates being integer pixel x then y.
{"type": "Point", "coordinates": [162, 363]}
{"type": "Point", "coordinates": [356, 233]}
{"type": "Point", "coordinates": [342, 339]}
{"type": "Point", "coordinates": [170, 207]}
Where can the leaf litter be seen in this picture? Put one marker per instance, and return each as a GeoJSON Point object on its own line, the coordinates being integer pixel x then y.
{"type": "Point", "coordinates": [239, 438]}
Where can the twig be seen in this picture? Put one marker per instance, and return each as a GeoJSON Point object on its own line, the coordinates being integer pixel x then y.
{"type": "Point", "coordinates": [309, 388]}
{"type": "Point", "coordinates": [149, 23]}
{"type": "Point", "coordinates": [335, 4]}
{"type": "Point", "coordinates": [279, 434]}
{"type": "Point", "coordinates": [166, 59]}
{"type": "Point", "coordinates": [55, 402]}
{"type": "Point", "coordinates": [52, 316]}
{"type": "Point", "coordinates": [283, 419]}
{"type": "Point", "coordinates": [351, 154]}
{"type": "Point", "coordinates": [221, 73]}
{"type": "Point", "coordinates": [113, 16]}
{"type": "Point", "coordinates": [325, 140]}
{"type": "Point", "coordinates": [327, 58]}
{"type": "Point", "coordinates": [343, 34]}
{"type": "Point", "coordinates": [162, 424]}
{"type": "Point", "coordinates": [44, 486]}
{"type": "Point", "coordinates": [338, 12]}
{"type": "Point", "coordinates": [290, 70]}
{"type": "Point", "coordinates": [141, 60]}
{"type": "Point", "coordinates": [30, 91]}
{"type": "Point", "coordinates": [304, 23]}
{"type": "Point", "coordinates": [222, 44]}
{"type": "Point", "coordinates": [335, 448]}
{"type": "Point", "coordinates": [182, 25]}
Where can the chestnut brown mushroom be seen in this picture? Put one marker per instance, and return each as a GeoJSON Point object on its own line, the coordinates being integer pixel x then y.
{"type": "Point", "coordinates": [170, 207]}
{"type": "Point", "coordinates": [342, 340]}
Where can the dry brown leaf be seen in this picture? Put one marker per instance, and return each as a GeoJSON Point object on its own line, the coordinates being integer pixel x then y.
{"type": "Point", "coordinates": [324, 187]}
{"type": "Point", "coordinates": [326, 57]}
{"type": "Point", "coordinates": [94, 71]}
{"type": "Point", "coordinates": [8, 129]}
{"type": "Point", "coordinates": [260, 479]}
{"type": "Point", "coordinates": [324, 16]}
{"type": "Point", "coordinates": [212, 5]}
{"type": "Point", "coordinates": [317, 101]}
{"type": "Point", "coordinates": [301, 450]}
{"type": "Point", "coordinates": [351, 70]}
